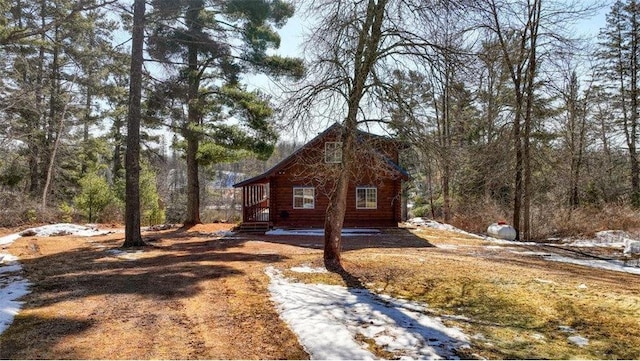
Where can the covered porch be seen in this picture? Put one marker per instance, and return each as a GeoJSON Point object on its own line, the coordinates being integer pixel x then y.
{"type": "Point", "coordinates": [255, 206]}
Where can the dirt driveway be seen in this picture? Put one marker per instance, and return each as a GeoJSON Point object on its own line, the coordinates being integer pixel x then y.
{"type": "Point", "coordinates": [194, 294]}
{"type": "Point", "coordinates": [190, 296]}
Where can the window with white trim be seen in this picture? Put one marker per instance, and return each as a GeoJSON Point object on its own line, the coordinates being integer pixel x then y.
{"type": "Point", "coordinates": [366, 198]}
{"type": "Point", "coordinates": [304, 198]}
{"type": "Point", "coordinates": [333, 152]}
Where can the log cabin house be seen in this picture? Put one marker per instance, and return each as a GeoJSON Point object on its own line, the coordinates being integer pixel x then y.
{"type": "Point", "coordinates": [294, 193]}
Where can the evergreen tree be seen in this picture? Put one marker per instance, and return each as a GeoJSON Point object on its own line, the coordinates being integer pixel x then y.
{"type": "Point", "coordinates": [95, 195]}
{"type": "Point", "coordinates": [210, 45]}
{"type": "Point", "coordinates": [620, 71]}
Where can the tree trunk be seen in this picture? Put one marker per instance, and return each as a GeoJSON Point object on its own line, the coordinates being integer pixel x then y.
{"type": "Point", "coordinates": [528, 119]}
{"type": "Point", "coordinates": [193, 120]}
{"type": "Point", "coordinates": [117, 149]}
{"type": "Point", "coordinates": [133, 238]}
{"type": "Point", "coordinates": [364, 59]}
{"type": "Point", "coordinates": [53, 129]}
{"type": "Point", "coordinates": [517, 192]}
{"type": "Point", "coordinates": [52, 158]}
{"type": "Point", "coordinates": [334, 220]}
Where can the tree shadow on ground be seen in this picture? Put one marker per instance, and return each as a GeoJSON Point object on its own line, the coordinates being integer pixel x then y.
{"type": "Point", "coordinates": [160, 276]}
{"type": "Point", "coordinates": [17, 342]}
{"type": "Point", "coordinates": [388, 238]}
{"type": "Point", "coordinates": [166, 271]}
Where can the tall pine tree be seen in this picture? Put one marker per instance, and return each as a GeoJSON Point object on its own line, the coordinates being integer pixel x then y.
{"type": "Point", "coordinates": [619, 69]}
{"type": "Point", "coordinates": [210, 45]}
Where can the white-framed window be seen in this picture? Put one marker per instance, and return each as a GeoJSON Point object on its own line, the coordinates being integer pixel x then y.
{"type": "Point", "coordinates": [304, 198]}
{"type": "Point", "coordinates": [333, 152]}
{"type": "Point", "coordinates": [366, 198]}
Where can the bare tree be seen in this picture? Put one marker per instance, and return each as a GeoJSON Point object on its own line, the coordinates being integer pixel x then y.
{"type": "Point", "coordinates": [355, 48]}
{"type": "Point", "coordinates": [527, 33]}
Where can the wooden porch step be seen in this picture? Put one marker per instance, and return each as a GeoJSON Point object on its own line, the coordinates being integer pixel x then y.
{"type": "Point", "coordinates": [251, 227]}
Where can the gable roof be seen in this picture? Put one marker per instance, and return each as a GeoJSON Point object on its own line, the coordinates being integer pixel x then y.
{"type": "Point", "coordinates": [285, 162]}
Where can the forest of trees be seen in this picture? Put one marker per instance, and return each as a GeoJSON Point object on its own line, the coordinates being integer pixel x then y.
{"type": "Point", "coordinates": [507, 112]}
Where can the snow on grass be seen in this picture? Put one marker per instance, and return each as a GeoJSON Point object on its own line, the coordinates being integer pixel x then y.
{"type": "Point", "coordinates": [613, 239]}
{"type": "Point", "coordinates": [346, 232]}
{"type": "Point", "coordinates": [578, 340]}
{"type": "Point", "coordinates": [329, 320]}
{"type": "Point", "coordinates": [308, 269]}
{"type": "Point", "coordinates": [575, 339]}
{"type": "Point", "coordinates": [447, 227]}
{"type": "Point", "coordinates": [12, 285]}
{"type": "Point", "coordinates": [610, 265]}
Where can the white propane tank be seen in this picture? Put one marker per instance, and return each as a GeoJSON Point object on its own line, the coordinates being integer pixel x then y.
{"type": "Point", "coordinates": [502, 230]}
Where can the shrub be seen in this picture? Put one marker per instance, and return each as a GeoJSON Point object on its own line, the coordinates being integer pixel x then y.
{"type": "Point", "coordinates": [66, 212]}
{"type": "Point", "coordinates": [95, 195]}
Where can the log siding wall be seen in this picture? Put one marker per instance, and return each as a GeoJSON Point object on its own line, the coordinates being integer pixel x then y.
{"type": "Point", "coordinates": [308, 169]}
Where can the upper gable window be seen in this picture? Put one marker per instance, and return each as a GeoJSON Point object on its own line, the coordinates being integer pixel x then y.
{"type": "Point", "coordinates": [333, 152]}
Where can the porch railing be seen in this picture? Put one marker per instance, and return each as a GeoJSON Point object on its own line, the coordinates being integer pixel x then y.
{"type": "Point", "coordinates": [256, 203]}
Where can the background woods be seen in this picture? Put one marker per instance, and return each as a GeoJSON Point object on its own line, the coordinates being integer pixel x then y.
{"type": "Point", "coordinates": [506, 112]}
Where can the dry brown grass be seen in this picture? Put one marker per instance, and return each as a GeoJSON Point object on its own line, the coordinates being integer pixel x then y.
{"type": "Point", "coordinates": [196, 296]}
{"type": "Point", "coordinates": [516, 303]}
{"type": "Point", "coordinates": [551, 221]}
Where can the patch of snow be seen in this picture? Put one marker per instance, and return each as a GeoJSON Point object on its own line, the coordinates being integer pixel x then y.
{"type": "Point", "coordinates": [532, 253]}
{"type": "Point", "coordinates": [12, 287]}
{"type": "Point", "coordinates": [567, 329]}
{"type": "Point", "coordinates": [610, 265]}
{"type": "Point", "coordinates": [128, 255]}
{"type": "Point", "coordinates": [327, 319]}
{"type": "Point", "coordinates": [346, 232]}
{"type": "Point", "coordinates": [9, 239]}
{"type": "Point", "coordinates": [631, 246]}
{"type": "Point", "coordinates": [612, 238]}
{"type": "Point", "coordinates": [578, 340]}
{"type": "Point", "coordinates": [308, 269]}
{"type": "Point", "coordinates": [311, 244]}
{"type": "Point", "coordinates": [7, 257]}
{"type": "Point", "coordinates": [65, 229]}
{"type": "Point", "coordinates": [419, 221]}
{"type": "Point", "coordinates": [10, 268]}
{"type": "Point", "coordinates": [540, 280]}
{"type": "Point", "coordinates": [447, 227]}
{"type": "Point", "coordinates": [504, 241]}
{"type": "Point", "coordinates": [447, 246]}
